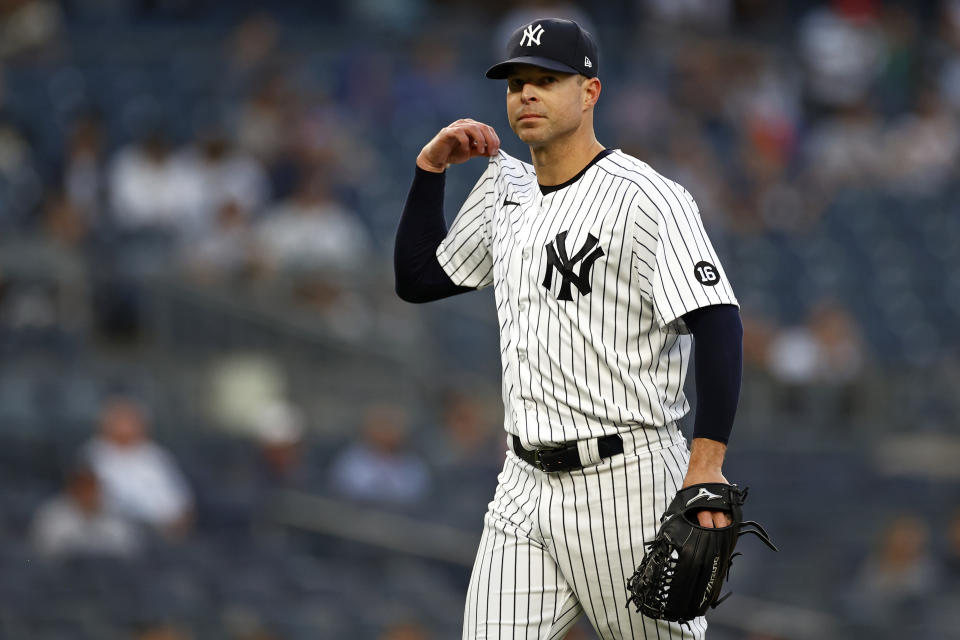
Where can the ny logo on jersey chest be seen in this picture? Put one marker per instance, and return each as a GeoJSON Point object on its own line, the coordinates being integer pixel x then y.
{"type": "Point", "coordinates": [557, 259]}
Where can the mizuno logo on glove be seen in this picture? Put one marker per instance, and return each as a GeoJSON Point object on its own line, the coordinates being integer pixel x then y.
{"type": "Point", "coordinates": [703, 493]}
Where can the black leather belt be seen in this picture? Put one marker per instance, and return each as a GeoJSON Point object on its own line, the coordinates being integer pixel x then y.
{"type": "Point", "coordinates": [566, 457]}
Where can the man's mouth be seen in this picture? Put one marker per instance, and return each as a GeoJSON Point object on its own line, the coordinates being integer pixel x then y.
{"type": "Point", "coordinates": [527, 116]}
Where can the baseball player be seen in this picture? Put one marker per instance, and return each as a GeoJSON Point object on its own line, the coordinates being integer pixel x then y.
{"type": "Point", "coordinates": [604, 279]}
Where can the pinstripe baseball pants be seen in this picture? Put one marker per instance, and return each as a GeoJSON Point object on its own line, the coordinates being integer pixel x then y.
{"type": "Point", "coordinates": [556, 545]}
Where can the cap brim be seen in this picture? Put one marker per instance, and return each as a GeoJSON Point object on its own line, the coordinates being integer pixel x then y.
{"type": "Point", "coordinates": [501, 70]}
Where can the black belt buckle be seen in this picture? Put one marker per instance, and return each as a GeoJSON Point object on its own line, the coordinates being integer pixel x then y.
{"type": "Point", "coordinates": [537, 462]}
{"type": "Point", "coordinates": [551, 460]}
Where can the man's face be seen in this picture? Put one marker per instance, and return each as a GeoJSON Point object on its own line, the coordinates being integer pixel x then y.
{"type": "Point", "coordinates": [544, 105]}
{"type": "Point", "coordinates": [122, 423]}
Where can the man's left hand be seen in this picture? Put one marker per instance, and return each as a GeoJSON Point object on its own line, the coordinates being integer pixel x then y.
{"type": "Point", "coordinates": [706, 460]}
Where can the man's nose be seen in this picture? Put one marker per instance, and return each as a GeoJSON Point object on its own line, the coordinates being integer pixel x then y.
{"type": "Point", "coordinates": [528, 93]}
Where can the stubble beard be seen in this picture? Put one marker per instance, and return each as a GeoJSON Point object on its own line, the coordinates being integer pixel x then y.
{"type": "Point", "coordinates": [546, 136]}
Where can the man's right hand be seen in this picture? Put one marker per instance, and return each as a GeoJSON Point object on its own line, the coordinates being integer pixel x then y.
{"type": "Point", "coordinates": [462, 140]}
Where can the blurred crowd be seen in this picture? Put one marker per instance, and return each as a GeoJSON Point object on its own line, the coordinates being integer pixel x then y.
{"type": "Point", "coordinates": [265, 154]}
{"type": "Point", "coordinates": [123, 490]}
{"type": "Point", "coordinates": [285, 168]}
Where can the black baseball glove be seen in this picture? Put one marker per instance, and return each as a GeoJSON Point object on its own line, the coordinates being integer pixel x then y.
{"type": "Point", "coordinates": [683, 569]}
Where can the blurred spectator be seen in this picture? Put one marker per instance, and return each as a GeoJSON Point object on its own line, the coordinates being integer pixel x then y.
{"type": "Point", "coordinates": [380, 467]}
{"type": "Point", "coordinates": [699, 77]}
{"type": "Point", "coordinates": [758, 333]}
{"type": "Point", "coordinates": [265, 121]}
{"type": "Point", "coordinates": [312, 232]}
{"type": "Point", "coordinates": [226, 176]}
{"type": "Point", "coordinates": [20, 185]}
{"type": "Point", "coordinates": [818, 365]}
{"type": "Point", "coordinates": [75, 522]}
{"type": "Point", "coordinates": [251, 48]}
{"type": "Point", "coordinates": [845, 149]}
{"type": "Point", "coordinates": [764, 106]}
{"type": "Point", "coordinates": [895, 581]}
{"type": "Point", "coordinates": [841, 349]}
{"type": "Point", "coordinates": [922, 146]}
{"type": "Point", "coordinates": [842, 50]}
{"type": "Point", "coordinates": [765, 101]}
{"type": "Point", "coordinates": [332, 141]}
{"type": "Point", "coordinates": [152, 188]}
{"type": "Point", "coordinates": [280, 438]}
{"type": "Point", "coordinates": [84, 172]}
{"type": "Point", "coordinates": [233, 188]}
{"type": "Point", "coordinates": [140, 479]}
{"type": "Point", "coordinates": [63, 221]}
{"type": "Point", "coordinates": [28, 27]}
{"type": "Point", "coordinates": [226, 252]}
{"type": "Point", "coordinates": [827, 349]}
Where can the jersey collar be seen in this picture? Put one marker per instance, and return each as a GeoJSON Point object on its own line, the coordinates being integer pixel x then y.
{"type": "Point", "coordinates": [544, 189]}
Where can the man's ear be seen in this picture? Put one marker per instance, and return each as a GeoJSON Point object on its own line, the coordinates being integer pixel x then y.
{"type": "Point", "coordinates": [591, 91]}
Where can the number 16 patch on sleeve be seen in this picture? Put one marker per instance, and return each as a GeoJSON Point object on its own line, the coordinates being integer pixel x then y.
{"type": "Point", "coordinates": [706, 274]}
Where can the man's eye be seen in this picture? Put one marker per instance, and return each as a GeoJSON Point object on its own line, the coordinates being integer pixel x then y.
{"type": "Point", "coordinates": [548, 79]}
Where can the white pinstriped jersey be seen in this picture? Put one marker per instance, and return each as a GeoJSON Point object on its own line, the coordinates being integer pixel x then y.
{"type": "Point", "coordinates": [590, 282]}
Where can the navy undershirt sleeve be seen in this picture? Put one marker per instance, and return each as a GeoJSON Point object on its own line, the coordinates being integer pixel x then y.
{"type": "Point", "coordinates": [718, 359]}
{"type": "Point", "coordinates": [419, 276]}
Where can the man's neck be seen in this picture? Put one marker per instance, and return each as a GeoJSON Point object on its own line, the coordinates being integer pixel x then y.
{"type": "Point", "coordinates": [563, 159]}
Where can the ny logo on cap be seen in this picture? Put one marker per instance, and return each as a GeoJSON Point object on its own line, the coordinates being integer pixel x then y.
{"type": "Point", "coordinates": [531, 36]}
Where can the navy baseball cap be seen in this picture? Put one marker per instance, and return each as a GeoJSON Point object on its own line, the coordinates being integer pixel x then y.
{"type": "Point", "coordinates": [551, 43]}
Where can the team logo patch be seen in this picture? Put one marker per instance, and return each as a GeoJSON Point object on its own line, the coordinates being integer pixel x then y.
{"type": "Point", "coordinates": [557, 258]}
{"type": "Point", "coordinates": [706, 274]}
{"type": "Point", "coordinates": [531, 35]}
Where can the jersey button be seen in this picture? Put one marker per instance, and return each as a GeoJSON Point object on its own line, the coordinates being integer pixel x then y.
{"type": "Point", "coordinates": [526, 254]}
{"type": "Point", "coordinates": [528, 404]}
{"type": "Point", "coordinates": [522, 306]}
{"type": "Point", "coordinates": [523, 355]}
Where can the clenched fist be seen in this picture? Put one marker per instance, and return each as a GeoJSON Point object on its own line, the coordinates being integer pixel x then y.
{"type": "Point", "coordinates": [462, 140]}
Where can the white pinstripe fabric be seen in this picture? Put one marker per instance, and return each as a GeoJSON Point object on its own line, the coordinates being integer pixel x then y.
{"type": "Point", "coordinates": [611, 359]}
{"type": "Point", "coordinates": [556, 545]}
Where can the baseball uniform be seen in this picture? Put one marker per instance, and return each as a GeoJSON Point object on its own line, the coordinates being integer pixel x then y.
{"type": "Point", "coordinates": [590, 280]}
{"type": "Point", "coordinates": [598, 283]}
